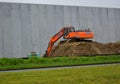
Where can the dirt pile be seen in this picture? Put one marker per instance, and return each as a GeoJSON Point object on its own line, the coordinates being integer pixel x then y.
{"type": "Point", "coordinates": [74, 48]}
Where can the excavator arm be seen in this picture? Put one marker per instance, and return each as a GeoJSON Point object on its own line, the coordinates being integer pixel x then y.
{"type": "Point", "coordinates": [53, 40]}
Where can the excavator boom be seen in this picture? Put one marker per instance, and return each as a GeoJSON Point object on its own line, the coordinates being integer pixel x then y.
{"type": "Point", "coordinates": [53, 40]}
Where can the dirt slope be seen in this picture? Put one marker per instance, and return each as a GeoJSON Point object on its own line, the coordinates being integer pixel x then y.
{"type": "Point", "coordinates": [74, 48]}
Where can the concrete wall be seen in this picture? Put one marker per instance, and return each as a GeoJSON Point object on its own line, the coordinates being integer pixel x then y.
{"type": "Point", "coordinates": [25, 27]}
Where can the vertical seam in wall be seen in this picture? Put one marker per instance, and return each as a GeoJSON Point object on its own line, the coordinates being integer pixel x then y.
{"type": "Point", "coordinates": [11, 5]}
{"type": "Point", "coordinates": [108, 19]}
{"type": "Point", "coordinates": [39, 29]}
{"type": "Point", "coordinates": [21, 29]}
{"type": "Point", "coordinates": [31, 33]}
{"type": "Point", "coordinates": [62, 7]}
{"type": "Point", "coordinates": [115, 26]}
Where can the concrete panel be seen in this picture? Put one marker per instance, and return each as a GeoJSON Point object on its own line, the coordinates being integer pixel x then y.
{"type": "Point", "coordinates": [67, 16]}
{"type": "Point", "coordinates": [35, 27]}
{"type": "Point", "coordinates": [7, 29]}
{"type": "Point", "coordinates": [26, 31]}
{"type": "Point", "coordinates": [111, 23]}
{"type": "Point", "coordinates": [44, 38]}
{"type": "Point", "coordinates": [90, 17]}
{"type": "Point", "coordinates": [74, 17]}
{"type": "Point", "coordinates": [16, 30]}
{"type": "Point", "coordinates": [82, 17]}
{"type": "Point", "coordinates": [59, 17]}
{"type": "Point", "coordinates": [117, 24]}
{"type": "Point", "coordinates": [105, 27]}
{"type": "Point", "coordinates": [1, 32]}
{"type": "Point", "coordinates": [97, 25]}
{"type": "Point", "coordinates": [51, 20]}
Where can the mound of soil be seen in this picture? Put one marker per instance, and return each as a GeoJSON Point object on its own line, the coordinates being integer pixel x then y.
{"type": "Point", "coordinates": [79, 48]}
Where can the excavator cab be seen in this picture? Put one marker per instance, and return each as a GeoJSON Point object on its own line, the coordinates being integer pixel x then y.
{"type": "Point", "coordinates": [67, 30]}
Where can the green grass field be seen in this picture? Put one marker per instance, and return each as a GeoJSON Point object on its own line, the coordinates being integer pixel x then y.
{"type": "Point", "coordinates": [17, 63]}
{"type": "Point", "coordinates": [109, 74]}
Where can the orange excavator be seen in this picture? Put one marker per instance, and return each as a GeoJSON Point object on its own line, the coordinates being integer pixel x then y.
{"type": "Point", "coordinates": [69, 33]}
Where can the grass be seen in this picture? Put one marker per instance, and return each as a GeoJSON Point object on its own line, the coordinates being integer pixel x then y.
{"type": "Point", "coordinates": [17, 63]}
{"type": "Point", "coordinates": [109, 74]}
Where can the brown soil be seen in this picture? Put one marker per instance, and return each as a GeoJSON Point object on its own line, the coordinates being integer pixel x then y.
{"type": "Point", "coordinates": [75, 48]}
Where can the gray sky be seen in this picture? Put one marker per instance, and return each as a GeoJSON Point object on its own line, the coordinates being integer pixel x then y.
{"type": "Point", "coordinates": [93, 3]}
